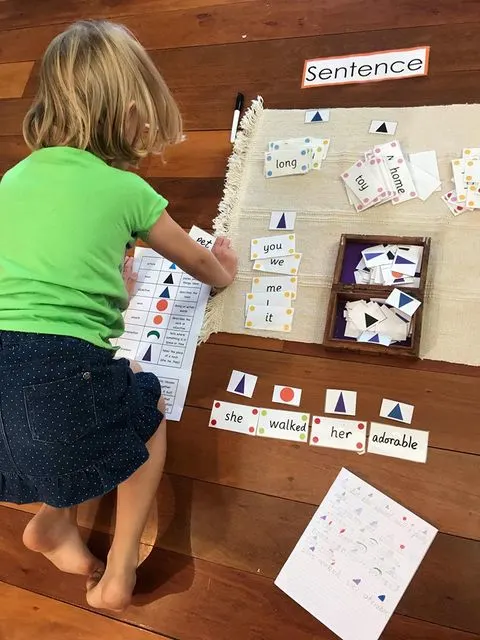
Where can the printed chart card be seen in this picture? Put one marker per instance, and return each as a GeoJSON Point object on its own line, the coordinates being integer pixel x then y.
{"type": "Point", "coordinates": [398, 442]}
{"type": "Point", "coordinates": [355, 559]}
{"type": "Point", "coordinates": [284, 425]}
{"type": "Point", "coordinates": [174, 387]}
{"type": "Point", "coordinates": [234, 417]}
{"type": "Point", "coordinates": [338, 433]}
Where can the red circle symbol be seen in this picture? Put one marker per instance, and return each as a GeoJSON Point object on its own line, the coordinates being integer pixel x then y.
{"type": "Point", "coordinates": [317, 420]}
{"type": "Point", "coordinates": [251, 429]}
{"type": "Point", "coordinates": [404, 518]}
{"type": "Point", "coordinates": [158, 320]}
{"type": "Point", "coordinates": [255, 411]}
{"type": "Point", "coordinates": [361, 426]}
{"type": "Point", "coordinates": [402, 546]}
{"type": "Point", "coordinates": [217, 405]}
{"type": "Point", "coordinates": [162, 305]}
{"type": "Point", "coordinates": [315, 439]}
{"type": "Point", "coordinates": [359, 445]}
{"type": "Point", "coordinates": [213, 423]}
{"type": "Point", "coordinates": [287, 394]}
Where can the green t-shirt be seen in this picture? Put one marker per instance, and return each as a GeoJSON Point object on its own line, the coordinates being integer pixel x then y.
{"type": "Point", "coordinates": [66, 218]}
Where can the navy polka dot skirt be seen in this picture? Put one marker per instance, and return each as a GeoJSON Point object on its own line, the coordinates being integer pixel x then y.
{"type": "Point", "coordinates": [73, 421]}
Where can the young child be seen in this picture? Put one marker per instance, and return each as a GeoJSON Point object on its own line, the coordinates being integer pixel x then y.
{"type": "Point", "coordinates": [74, 422]}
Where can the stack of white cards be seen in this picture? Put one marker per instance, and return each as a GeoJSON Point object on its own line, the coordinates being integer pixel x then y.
{"type": "Point", "coordinates": [466, 177]}
{"type": "Point", "coordinates": [269, 303]}
{"type": "Point", "coordinates": [295, 156]}
{"type": "Point", "coordinates": [381, 321]}
{"type": "Point", "coordinates": [390, 264]}
{"type": "Point", "coordinates": [383, 174]}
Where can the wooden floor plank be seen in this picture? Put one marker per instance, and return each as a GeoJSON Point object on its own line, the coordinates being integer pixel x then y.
{"type": "Point", "coordinates": [249, 21]}
{"type": "Point", "coordinates": [24, 615]}
{"type": "Point", "coordinates": [445, 404]}
{"type": "Point", "coordinates": [13, 78]}
{"type": "Point", "coordinates": [13, 149]}
{"type": "Point", "coordinates": [204, 600]}
{"type": "Point", "coordinates": [444, 491]}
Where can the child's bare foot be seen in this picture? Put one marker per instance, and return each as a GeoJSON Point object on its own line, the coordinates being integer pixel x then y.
{"type": "Point", "coordinates": [53, 533]}
{"type": "Point", "coordinates": [113, 590]}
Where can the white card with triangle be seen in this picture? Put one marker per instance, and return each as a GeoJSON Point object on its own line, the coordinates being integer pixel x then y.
{"type": "Point", "coordinates": [403, 302]}
{"type": "Point", "coordinates": [341, 402]}
{"type": "Point", "coordinates": [317, 115]}
{"type": "Point", "coordinates": [282, 220]}
{"type": "Point", "coordinates": [381, 126]}
{"type": "Point", "coordinates": [397, 411]}
{"type": "Point", "coordinates": [243, 384]}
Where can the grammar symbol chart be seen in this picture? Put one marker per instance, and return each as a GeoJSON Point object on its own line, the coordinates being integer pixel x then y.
{"type": "Point", "coordinates": [162, 324]}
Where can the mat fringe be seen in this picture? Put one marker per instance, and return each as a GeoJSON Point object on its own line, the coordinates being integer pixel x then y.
{"type": "Point", "coordinates": [226, 217]}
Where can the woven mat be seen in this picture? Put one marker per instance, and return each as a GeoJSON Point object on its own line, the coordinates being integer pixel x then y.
{"type": "Point", "coordinates": [451, 328]}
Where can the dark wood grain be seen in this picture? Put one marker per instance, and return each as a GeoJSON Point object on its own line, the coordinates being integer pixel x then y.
{"type": "Point", "coordinates": [13, 78]}
{"type": "Point", "coordinates": [13, 149]}
{"type": "Point", "coordinates": [199, 594]}
{"type": "Point", "coordinates": [446, 405]}
{"type": "Point", "coordinates": [444, 491]}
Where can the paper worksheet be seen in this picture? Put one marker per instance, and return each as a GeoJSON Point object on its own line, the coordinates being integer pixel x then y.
{"type": "Point", "coordinates": [355, 559]}
{"type": "Point", "coordinates": [162, 324]}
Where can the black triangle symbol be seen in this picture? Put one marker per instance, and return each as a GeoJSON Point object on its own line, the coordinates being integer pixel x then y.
{"type": "Point", "coordinates": [317, 117]}
{"type": "Point", "coordinates": [168, 279]}
{"type": "Point", "coordinates": [382, 128]}
{"type": "Point", "coordinates": [148, 354]}
{"type": "Point", "coordinates": [369, 320]}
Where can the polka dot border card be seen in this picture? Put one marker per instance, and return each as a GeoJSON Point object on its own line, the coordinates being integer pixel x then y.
{"type": "Point", "coordinates": [283, 425]}
{"type": "Point", "coordinates": [339, 433]}
{"type": "Point", "coordinates": [234, 417]}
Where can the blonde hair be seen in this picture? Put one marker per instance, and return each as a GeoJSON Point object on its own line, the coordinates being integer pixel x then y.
{"type": "Point", "coordinates": [100, 91]}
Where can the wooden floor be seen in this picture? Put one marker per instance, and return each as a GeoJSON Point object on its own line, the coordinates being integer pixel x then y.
{"type": "Point", "coordinates": [231, 508]}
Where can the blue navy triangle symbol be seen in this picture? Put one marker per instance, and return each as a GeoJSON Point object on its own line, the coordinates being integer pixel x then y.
{"type": "Point", "coordinates": [374, 338]}
{"type": "Point", "coordinates": [165, 293]}
{"type": "Point", "coordinates": [402, 260]}
{"type": "Point", "coordinates": [340, 406]}
{"type": "Point", "coordinates": [317, 117]}
{"type": "Point", "coordinates": [240, 388]}
{"type": "Point", "coordinates": [282, 223]}
{"type": "Point", "coordinates": [403, 299]}
{"type": "Point", "coordinates": [396, 413]}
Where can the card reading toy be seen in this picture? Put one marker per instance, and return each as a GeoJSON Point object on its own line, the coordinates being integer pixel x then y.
{"type": "Point", "coordinates": [338, 433]}
{"type": "Point", "coordinates": [282, 220]}
{"type": "Point", "coordinates": [269, 318]}
{"type": "Point", "coordinates": [287, 395]}
{"type": "Point", "coordinates": [381, 126]}
{"type": "Point", "coordinates": [275, 284]}
{"type": "Point", "coordinates": [397, 411]}
{"type": "Point", "coordinates": [234, 417]}
{"type": "Point", "coordinates": [340, 401]}
{"type": "Point", "coordinates": [242, 383]}
{"type": "Point", "coordinates": [398, 442]}
{"type": "Point", "coordinates": [282, 264]}
{"type": "Point", "coordinates": [403, 302]}
{"type": "Point", "coordinates": [355, 559]}
{"type": "Point", "coordinates": [288, 162]}
{"type": "Point", "coordinates": [284, 425]}
{"type": "Point", "coordinates": [272, 246]}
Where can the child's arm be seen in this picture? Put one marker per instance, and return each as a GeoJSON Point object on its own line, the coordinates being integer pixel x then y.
{"type": "Point", "coordinates": [217, 268]}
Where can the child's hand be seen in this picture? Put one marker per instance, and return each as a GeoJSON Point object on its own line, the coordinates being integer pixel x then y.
{"type": "Point", "coordinates": [227, 257]}
{"type": "Point", "coordinates": [129, 277]}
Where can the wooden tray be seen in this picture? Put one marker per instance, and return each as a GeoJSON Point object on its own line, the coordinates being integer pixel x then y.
{"type": "Point", "coordinates": [345, 289]}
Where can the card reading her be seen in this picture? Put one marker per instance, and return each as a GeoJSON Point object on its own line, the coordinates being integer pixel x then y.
{"type": "Point", "coordinates": [282, 264]}
{"type": "Point", "coordinates": [275, 284]}
{"type": "Point", "coordinates": [284, 425]}
{"type": "Point", "coordinates": [272, 246]}
{"type": "Point", "coordinates": [338, 433]}
{"type": "Point", "coordinates": [398, 442]}
{"type": "Point", "coordinates": [234, 417]}
{"type": "Point", "coordinates": [269, 318]}
{"type": "Point", "coordinates": [288, 162]}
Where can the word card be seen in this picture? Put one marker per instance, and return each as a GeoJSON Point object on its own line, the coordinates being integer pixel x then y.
{"type": "Point", "coordinates": [269, 318]}
{"type": "Point", "coordinates": [355, 559]}
{"type": "Point", "coordinates": [282, 299]}
{"type": "Point", "coordinates": [284, 425]}
{"type": "Point", "coordinates": [288, 162]}
{"type": "Point", "coordinates": [398, 442]}
{"type": "Point", "coordinates": [403, 302]}
{"type": "Point", "coordinates": [285, 264]}
{"type": "Point", "coordinates": [339, 401]}
{"type": "Point", "coordinates": [202, 237]}
{"type": "Point", "coordinates": [313, 150]}
{"type": "Point", "coordinates": [282, 220]}
{"type": "Point", "coordinates": [243, 384]}
{"type": "Point", "coordinates": [317, 115]}
{"type": "Point", "coordinates": [163, 321]}
{"type": "Point", "coordinates": [381, 126]}
{"type": "Point", "coordinates": [275, 284]}
{"type": "Point", "coordinates": [234, 417]}
{"type": "Point", "coordinates": [272, 247]}
{"type": "Point", "coordinates": [338, 433]}
{"type": "Point", "coordinates": [287, 395]}
{"type": "Point", "coordinates": [397, 411]}
{"type": "Point", "coordinates": [466, 177]}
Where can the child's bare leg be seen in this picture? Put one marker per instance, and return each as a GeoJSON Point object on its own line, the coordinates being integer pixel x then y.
{"type": "Point", "coordinates": [134, 501]}
{"type": "Point", "coordinates": [54, 533]}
